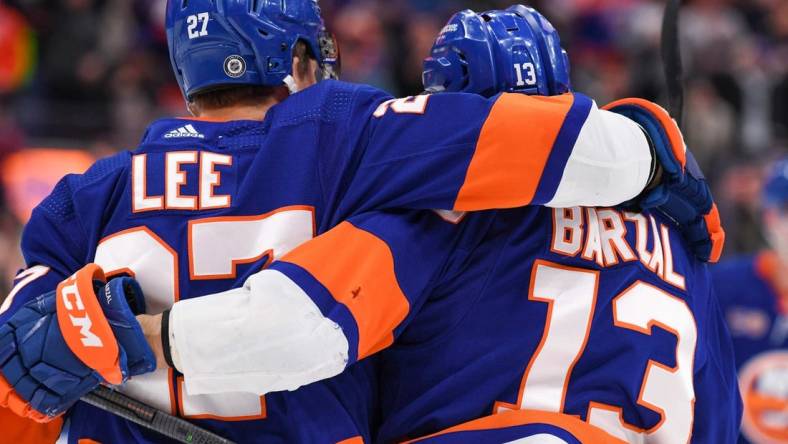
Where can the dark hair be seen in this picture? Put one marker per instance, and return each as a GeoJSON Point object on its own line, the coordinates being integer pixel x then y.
{"type": "Point", "coordinates": [252, 94]}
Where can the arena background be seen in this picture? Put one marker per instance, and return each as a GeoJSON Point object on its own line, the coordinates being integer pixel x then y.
{"type": "Point", "coordinates": [82, 78]}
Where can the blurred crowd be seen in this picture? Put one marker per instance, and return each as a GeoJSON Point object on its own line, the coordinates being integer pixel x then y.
{"type": "Point", "coordinates": [88, 75]}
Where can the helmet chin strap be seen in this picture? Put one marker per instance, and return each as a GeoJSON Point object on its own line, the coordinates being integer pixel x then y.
{"type": "Point", "coordinates": [291, 84]}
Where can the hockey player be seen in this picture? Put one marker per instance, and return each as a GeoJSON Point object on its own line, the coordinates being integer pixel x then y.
{"type": "Point", "coordinates": [146, 213]}
{"type": "Point", "coordinates": [598, 313]}
{"type": "Point", "coordinates": [753, 292]}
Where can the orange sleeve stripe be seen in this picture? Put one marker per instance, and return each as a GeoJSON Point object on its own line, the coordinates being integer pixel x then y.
{"type": "Point", "coordinates": [357, 268]}
{"type": "Point", "coordinates": [667, 122]}
{"type": "Point", "coordinates": [20, 430]}
{"type": "Point", "coordinates": [586, 433]}
{"type": "Point", "coordinates": [513, 148]}
{"type": "Point", "coordinates": [353, 440]}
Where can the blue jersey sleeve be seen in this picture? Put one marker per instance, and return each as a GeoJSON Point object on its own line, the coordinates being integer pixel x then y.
{"type": "Point", "coordinates": [464, 152]}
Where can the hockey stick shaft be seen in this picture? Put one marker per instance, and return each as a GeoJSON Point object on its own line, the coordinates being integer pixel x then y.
{"type": "Point", "coordinates": [146, 416]}
{"type": "Point", "coordinates": [671, 60]}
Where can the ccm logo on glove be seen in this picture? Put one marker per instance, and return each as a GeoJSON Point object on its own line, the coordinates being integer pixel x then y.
{"type": "Point", "coordinates": [84, 326]}
{"type": "Point", "coordinates": [71, 291]}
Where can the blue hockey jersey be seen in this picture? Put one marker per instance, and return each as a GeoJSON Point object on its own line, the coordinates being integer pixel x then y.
{"type": "Point", "coordinates": [595, 313]}
{"type": "Point", "coordinates": [201, 206]}
{"type": "Point", "coordinates": [757, 317]}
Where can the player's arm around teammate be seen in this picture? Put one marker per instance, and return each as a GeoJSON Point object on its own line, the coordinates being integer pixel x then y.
{"type": "Point", "coordinates": [417, 153]}
{"type": "Point", "coordinates": [183, 323]}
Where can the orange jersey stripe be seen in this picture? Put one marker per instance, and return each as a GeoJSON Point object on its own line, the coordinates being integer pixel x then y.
{"type": "Point", "coordinates": [581, 430]}
{"type": "Point", "coordinates": [503, 173]}
{"type": "Point", "coordinates": [369, 288]}
{"type": "Point", "coordinates": [353, 440]}
{"type": "Point", "coordinates": [18, 430]}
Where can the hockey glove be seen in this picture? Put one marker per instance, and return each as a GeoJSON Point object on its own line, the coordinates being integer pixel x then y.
{"type": "Point", "coordinates": [682, 194]}
{"type": "Point", "coordinates": [61, 345]}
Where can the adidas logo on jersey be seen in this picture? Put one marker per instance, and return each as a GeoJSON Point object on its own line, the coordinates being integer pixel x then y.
{"type": "Point", "coordinates": [184, 131]}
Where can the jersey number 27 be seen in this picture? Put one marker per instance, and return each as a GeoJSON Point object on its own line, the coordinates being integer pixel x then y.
{"type": "Point", "coordinates": [215, 247]}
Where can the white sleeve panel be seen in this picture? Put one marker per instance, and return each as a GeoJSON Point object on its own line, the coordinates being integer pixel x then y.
{"type": "Point", "coordinates": [610, 163]}
{"type": "Point", "coordinates": [267, 336]}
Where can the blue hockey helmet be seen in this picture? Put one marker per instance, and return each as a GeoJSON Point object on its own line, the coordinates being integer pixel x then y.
{"type": "Point", "coordinates": [512, 50]}
{"type": "Point", "coordinates": [775, 190]}
{"type": "Point", "coordinates": [221, 43]}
